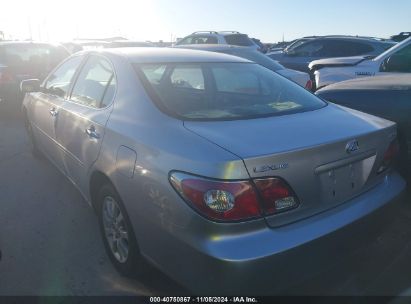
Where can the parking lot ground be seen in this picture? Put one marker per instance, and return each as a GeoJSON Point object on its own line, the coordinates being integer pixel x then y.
{"type": "Point", "coordinates": [51, 245]}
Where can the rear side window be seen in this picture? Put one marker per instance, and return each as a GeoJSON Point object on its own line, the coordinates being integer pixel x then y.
{"type": "Point", "coordinates": [223, 91]}
{"type": "Point", "coordinates": [337, 48]}
{"type": "Point", "coordinates": [96, 84]}
{"type": "Point", "coordinates": [238, 39]}
{"type": "Point", "coordinates": [353, 48]}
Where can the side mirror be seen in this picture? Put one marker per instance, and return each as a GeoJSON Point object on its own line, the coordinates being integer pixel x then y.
{"type": "Point", "coordinates": [396, 63]}
{"type": "Point", "coordinates": [30, 85]}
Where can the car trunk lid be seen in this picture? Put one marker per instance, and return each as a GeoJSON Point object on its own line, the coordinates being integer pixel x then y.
{"type": "Point", "coordinates": [327, 156]}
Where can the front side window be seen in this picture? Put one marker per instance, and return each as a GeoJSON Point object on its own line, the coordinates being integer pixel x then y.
{"type": "Point", "coordinates": [58, 83]}
{"type": "Point", "coordinates": [405, 51]}
{"type": "Point", "coordinates": [308, 49]}
{"type": "Point", "coordinates": [223, 91]}
{"type": "Point", "coordinates": [95, 85]}
{"type": "Point", "coordinates": [399, 62]}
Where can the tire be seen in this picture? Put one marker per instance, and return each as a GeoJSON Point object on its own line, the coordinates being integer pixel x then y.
{"type": "Point", "coordinates": [32, 141]}
{"type": "Point", "coordinates": [131, 264]}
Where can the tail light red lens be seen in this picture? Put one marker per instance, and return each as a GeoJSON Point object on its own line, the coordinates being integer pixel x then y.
{"type": "Point", "coordinates": [234, 200]}
{"type": "Point", "coordinates": [276, 195]}
{"type": "Point", "coordinates": [389, 156]}
{"type": "Point", "coordinates": [218, 200]}
{"type": "Point", "coordinates": [309, 85]}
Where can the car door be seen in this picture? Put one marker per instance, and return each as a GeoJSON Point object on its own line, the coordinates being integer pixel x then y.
{"type": "Point", "coordinates": [44, 110]}
{"type": "Point", "coordinates": [83, 117]}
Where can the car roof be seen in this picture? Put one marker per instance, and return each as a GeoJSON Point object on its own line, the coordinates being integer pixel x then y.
{"type": "Point", "coordinates": [213, 47]}
{"type": "Point", "coordinates": [381, 82]}
{"type": "Point", "coordinates": [223, 33]}
{"type": "Point", "coordinates": [169, 55]}
{"type": "Point", "coordinates": [345, 37]}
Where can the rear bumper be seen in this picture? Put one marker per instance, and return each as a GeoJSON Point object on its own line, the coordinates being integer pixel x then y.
{"type": "Point", "coordinates": [267, 261]}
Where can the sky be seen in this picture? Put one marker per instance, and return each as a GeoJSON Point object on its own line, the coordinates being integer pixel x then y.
{"type": "Point", "coordinates": [153, 20]}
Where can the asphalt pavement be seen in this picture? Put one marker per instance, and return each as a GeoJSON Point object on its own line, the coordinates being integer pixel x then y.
{"type": "Point", "coordinates": [51, 245]}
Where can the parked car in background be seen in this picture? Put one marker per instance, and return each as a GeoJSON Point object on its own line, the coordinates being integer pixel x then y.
{"type": "Point", "coordinates": [223, 37]}
{"type": "Point", "coordinates": [23, 60]}
{"type": "Point", "coordinates": [386, 96]}
{"type": "Point", "coordinates": [127, 43]}
{"type": "Point", "coordinates": [395, 60]}
{"type": "Point", "coordinates": [301, 78]}
{"type": "Point", "coordinates": [299, 57]}
{"type": "Point", "coordinates": [401, 36]}
{"type": "Point", "coordinates": [81, 45]}
{"type": "Point", "coordinates": [292, 44]}
{"type": "Point", "coordinates": [263, 47]}
{"type": "Point", "coordinates": [191, 151]}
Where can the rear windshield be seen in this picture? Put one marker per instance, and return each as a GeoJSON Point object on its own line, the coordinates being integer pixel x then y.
{"type": "Point", "coordinates": [223, 91]}
{"type": "Point", "coordinates": [238, 39]}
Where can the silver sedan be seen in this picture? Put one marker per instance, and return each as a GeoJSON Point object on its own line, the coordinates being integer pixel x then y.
{"type": "Point", "coordinates": [223, 174]}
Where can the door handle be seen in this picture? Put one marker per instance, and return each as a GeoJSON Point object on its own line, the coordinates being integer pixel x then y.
{"type": "Point", "coordinates": [92, 133]}
{"type": "Point", "coordinates": [53, 112]}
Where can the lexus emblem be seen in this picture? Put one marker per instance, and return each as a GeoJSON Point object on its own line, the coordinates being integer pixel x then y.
{"type": "Point", "coordinates": [352, 146]}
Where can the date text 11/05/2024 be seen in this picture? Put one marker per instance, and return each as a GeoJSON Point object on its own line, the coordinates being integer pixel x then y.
{"type": "Point", "coordinates": [203, 300]}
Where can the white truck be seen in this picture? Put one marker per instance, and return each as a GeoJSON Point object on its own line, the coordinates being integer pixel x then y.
{"type": "Point", "coordinates": [393, 61]}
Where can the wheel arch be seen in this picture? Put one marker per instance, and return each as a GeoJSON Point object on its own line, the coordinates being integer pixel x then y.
{"type": "Point", "coordinates": [97, 180]}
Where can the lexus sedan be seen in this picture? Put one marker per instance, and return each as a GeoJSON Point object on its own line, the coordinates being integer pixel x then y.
{"type": "Point", "coordinates": [226, 176]}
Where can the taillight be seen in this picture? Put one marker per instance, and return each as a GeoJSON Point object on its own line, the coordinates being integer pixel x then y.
{"type": "Point", "coordinates": [234, 200]}
{"type": "Point", "coordinates": [276, 195]}
{"type": "Point", "coordinates": [389, 156]}
{"type": "Point", "coordinates": [309, 85]}
{"type": "Point", "coordinates": [218, 200]}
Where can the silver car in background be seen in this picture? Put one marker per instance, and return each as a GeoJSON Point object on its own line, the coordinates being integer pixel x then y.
{"type": "Point", "coordinates": [221, 38]}
{"type": "Point", "coordinates": [226, 176]}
